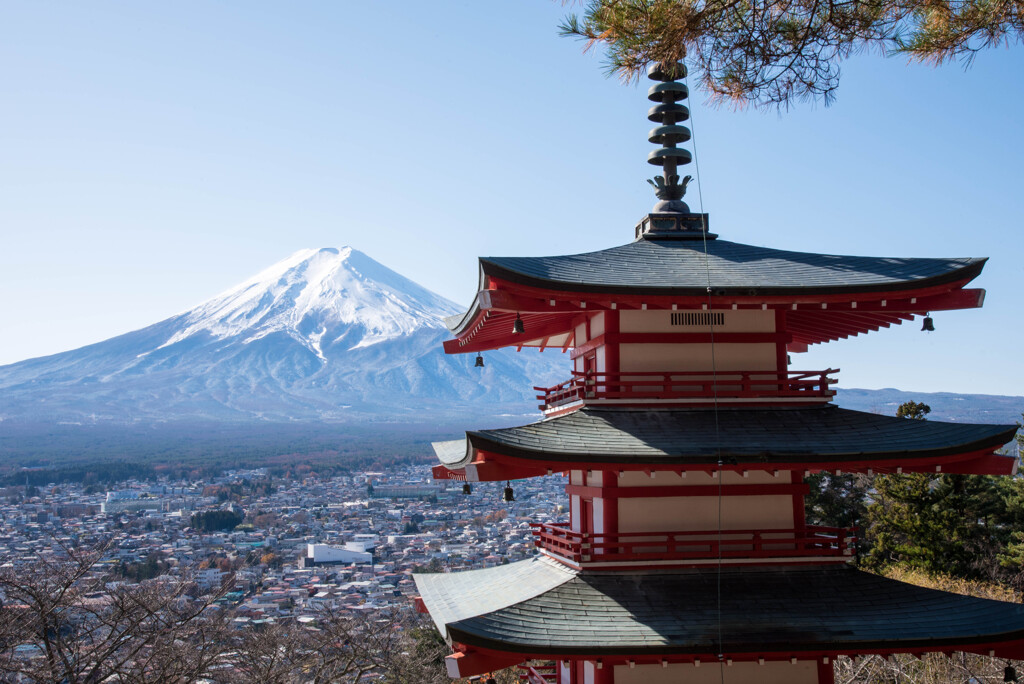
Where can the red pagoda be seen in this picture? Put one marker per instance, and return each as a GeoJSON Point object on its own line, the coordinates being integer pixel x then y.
{"type": "Point", "coordinates": [687, 440]}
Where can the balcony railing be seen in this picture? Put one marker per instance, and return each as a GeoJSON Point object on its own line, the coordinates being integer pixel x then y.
{"type": "Point", "coordinates": [637, 548]}
{"type": "Point", "coordinates": [689, 385]}
{"type": "Point", "coordinates": [538, 674]}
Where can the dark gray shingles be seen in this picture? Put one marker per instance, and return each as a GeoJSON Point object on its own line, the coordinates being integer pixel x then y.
{"type": "Point", "coordinates": [681, 436]}
{"type": "Point", "coordinates": [678, 267]}
{"type": "Point", "coordinates": [763, 609]}
{"type": "Point", "coordinates": [453, 596]}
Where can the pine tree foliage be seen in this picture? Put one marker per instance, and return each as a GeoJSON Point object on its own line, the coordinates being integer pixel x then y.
{"type": "Point", "coordinates": [771, 52]}
{"type": "Point", "coordinates": [960, 525]}
{"type": "Point", "coordinates": [966, 526]}
{"type": "Point", "coordinates": [839, 501]}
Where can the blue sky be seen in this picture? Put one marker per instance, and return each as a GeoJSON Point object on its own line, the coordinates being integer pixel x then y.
{"type": "Point", "coordinates": [155, 154]}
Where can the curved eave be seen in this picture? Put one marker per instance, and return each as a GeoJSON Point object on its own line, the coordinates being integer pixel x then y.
{"type": "Point", "coordinates": [965, 275]}
{"type": "Point", "coordinates": [710, 456]}
{"type": "Point", "coordinates": [450, 597]}
{"type": "Point", "coordinates": [735, 270]}
{"type": "Point", "coordinates": [813, 438]}
{"type": "Point", "coordinates": [813, 315]}
{"type": "Point", "coordinates": [834, 610]}
{"type": "Point", "coordinates": [460, 322]}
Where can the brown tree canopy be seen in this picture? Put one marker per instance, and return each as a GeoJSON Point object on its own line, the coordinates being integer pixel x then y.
{"type": "Point", "coordinates": [772, 52]}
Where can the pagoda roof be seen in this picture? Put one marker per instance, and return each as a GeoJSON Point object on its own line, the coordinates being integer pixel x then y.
{"type": "Point", "coordinates": [677, 267]}
{"type": "Point", "coordinates": [532, 607]}
{"type": "Point", "coordinates": [826, 296]}
{"type": "Point", "coordinates": [777, 437]}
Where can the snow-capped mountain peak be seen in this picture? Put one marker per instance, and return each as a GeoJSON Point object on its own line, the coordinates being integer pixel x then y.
{"type": "Point", "coordinates": [319, 297]}
{"type": "Point", "coordinates": [326, 335]}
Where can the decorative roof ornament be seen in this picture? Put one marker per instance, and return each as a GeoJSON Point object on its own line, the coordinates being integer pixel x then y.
{"type": "Point", "coordinates": [668, 93]}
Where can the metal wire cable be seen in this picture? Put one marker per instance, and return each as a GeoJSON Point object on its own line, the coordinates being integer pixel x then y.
{"type": "Point", "coordinates": [714, 385]}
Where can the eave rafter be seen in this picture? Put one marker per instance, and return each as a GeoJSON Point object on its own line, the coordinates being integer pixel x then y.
{"type": "Point", "coordinates": [549, 316]}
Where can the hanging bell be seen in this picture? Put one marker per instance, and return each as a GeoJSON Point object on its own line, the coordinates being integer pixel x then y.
{"type": "Point", "coordinates": [1009, 674]}
{"type": "Point", "coordinates": [467, 489]}
{"type": "Point", "coordinates": [517, 326]}
{"type": "Point", "coordinates": [929, 325]}
{"type": "Point", "coordinates": [508, 496]}
{"type": "Point", "coordinates": [479, 363]}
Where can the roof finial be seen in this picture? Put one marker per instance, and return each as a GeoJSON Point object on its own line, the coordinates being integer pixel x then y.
{"type": "Point", "coordinates": [668, 93]}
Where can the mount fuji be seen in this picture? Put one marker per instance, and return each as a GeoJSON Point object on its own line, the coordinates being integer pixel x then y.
{"type": "Point", "coordinates": [326, 335]}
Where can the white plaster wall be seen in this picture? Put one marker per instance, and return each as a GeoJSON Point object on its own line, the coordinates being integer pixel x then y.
{"type": "Point", "coordinates": [581, 334]}
{"type": "Point", "coordinates": [598, 515]}
{"type": "Point", "coordinates": [803, 672]}
{"type": "Point", "coordinates": [661, 321]}
{"type": "Point", "coordinates": [696, 357]}
{"type": "Point", "coordinates": [597, 325]}
{"type": "Point", "coordinates": [677, 513]}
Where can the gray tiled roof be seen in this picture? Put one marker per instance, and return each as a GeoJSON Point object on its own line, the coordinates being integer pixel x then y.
{"type": "Point", "coordinates": [765, 609]}
{"type": "Point", "coordinates": [681, 436]}
{"type": "Point", "coordinates": [458, 595]}
{"type": "Point", "coordinates": [677, 267]}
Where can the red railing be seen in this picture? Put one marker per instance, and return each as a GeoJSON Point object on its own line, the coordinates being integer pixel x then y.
{"type": "Point", "coordinates": [537, 674]}
{"type": "Point", "coordinates": [633, 547]}
{"type": "Point", "coordinates": [690, 385]}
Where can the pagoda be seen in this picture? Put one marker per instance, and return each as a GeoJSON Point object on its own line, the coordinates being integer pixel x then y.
{"type": "Point", "coordinates": [687, 441]}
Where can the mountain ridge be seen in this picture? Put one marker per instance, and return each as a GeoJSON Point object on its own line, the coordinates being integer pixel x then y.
{"type": "Point", "coordinates": [946, 406]}
{"type": "Point", "coordinates": [323, 335]}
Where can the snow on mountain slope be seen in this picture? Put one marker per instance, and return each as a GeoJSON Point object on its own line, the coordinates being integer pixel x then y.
{"type": "Point", "coordinates": [312, 290]}
{"type": "Point", "coordinates": [324, 335]}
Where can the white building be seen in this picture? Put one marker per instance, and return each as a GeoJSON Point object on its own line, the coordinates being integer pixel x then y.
{"type": "Point", "coordinates": [352, 552]}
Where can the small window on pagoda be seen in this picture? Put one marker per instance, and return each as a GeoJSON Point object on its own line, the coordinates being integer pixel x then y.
{"type": "Point", "coordinates": [698, 318]}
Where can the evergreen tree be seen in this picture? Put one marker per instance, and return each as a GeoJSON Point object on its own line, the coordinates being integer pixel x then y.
{"type": "Point", "coordinates": [961, 525]}
{"type": "Point", "coordinates": [839, 501]}
{"type": "Point", "coordinates": [770, 52]}
{"type": "Point", "coordinates": [212, 521]}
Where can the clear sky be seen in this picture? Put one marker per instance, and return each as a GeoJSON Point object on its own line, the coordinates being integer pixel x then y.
{"type": "Point", "coordinates": [155, 154]}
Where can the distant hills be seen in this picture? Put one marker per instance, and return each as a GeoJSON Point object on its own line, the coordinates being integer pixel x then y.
{"type": "Point", "coordinates": [946, 406]}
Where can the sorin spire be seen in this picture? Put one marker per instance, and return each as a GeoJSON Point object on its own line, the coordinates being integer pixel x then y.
{"type": "Point", "coordinates": [668, 93]}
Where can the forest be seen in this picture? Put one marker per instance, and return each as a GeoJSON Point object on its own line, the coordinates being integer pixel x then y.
{"type": "Point", "coordinates": [106, 454]}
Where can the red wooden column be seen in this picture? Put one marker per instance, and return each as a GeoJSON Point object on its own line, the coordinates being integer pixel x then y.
{"type": "Point", "coordinates": [611, 349]}
{"type": "Point", "coordinates": [609, 507]}
{"type": "Point", "coordinates": [605, 675]}
{"type": "Point", "coordinates": [799, 503]}
{"type": "Point", "coordinates": [826, 675]}
{"type": "Point", "coordinates": [610, 483]}
{"type": "Point", "coordinates": [781, 357]}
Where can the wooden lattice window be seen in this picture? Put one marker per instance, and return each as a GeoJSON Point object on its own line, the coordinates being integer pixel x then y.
{"type": "Point", "coordinates": [701, 318]}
